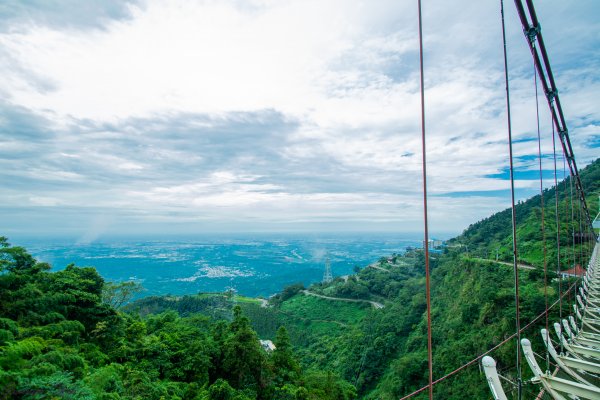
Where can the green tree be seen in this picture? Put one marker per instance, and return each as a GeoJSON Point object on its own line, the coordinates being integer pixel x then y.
{"type": "Point", "coordinates": [285, 367]}
{"type": "Point", "coordinates": [116, 294]}
{"type": "Point", "coordinates": [243, 355]}
{"type": "Point", "coordinates": [221, 390]}
{"type": "Point", "coordinates": [59, 385]}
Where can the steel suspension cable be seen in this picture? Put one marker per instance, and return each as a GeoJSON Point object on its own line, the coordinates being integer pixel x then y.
{"type": "Point", "coordinates": [581, 237]}
{"type": "Point", "coordinates": [569, 198]}
{"type": "Point", "coordinates": [589, 245]}
{"type": "Point", "coordinates": [586, 254]}
{"type": "Point", "coordinates": [569, 202]}
{"type": "Point", "coordinates": [558, 275]}
{"type": "Point", "coordinates": [581, 260]}
{"type": "Point", "coordinates": [425, 214]}
{"type": "Point", "coordinates": [480, 356]}
{"type": "Point", "coordinates": [542, 62]}
{"type": "Point", "coordinates": [543, 224]}
{"type": "Point", "coordinates": [573, 251]}
{"type": "Point", "coordinates": [514, 217]}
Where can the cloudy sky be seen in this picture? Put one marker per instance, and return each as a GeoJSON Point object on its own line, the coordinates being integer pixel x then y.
{"type": "Point", "coordinates": [196, 116]}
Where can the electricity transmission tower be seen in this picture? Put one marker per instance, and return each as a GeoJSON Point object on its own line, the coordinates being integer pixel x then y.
{"type": "Point", "coordinates": [327, 276]}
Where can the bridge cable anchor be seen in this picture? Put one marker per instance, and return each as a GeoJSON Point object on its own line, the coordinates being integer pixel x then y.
{"type": "Point", "coordinates": [532, 32]}
{"type": "Point", "coordinates": [551, 95]}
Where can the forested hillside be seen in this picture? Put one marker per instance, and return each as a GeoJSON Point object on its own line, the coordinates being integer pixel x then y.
{"type": "Point", "coordinates": [384, 352]}
{"type": "Point", "coordinates": [493, 234]}
{"type": "Point", "coordinates": [58, 340]}
{"type": "Point", "coordinates": [364, 337]}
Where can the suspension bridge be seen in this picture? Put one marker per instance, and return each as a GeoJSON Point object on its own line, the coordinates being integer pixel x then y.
{"type": "Point", "coordinates": [570, 365]}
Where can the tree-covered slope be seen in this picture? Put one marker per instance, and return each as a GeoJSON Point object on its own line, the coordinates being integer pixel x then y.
{"type": "Point", "coordinates": [59, 340]}
{"type": "Point", "coordinates": [493, 234]}
{"type": "Point", "coordinates": [384, 353]}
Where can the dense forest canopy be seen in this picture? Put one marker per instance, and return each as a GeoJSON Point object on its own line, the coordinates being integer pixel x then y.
{"type": "Point", "coordinates": [58, 339]}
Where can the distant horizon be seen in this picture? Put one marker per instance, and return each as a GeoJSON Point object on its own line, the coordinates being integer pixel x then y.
{"type": "Point", "coordinates": [254, 264]}
{"type": "Point", "coordinates": [168, 237]}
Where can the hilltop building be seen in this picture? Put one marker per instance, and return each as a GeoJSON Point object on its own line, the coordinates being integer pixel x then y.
{"type": "Point", "coordinates": [436, 243]}
{"type": "Point", "coordinates": [576, 272]}
{"type": "Point", "coordinates": [267, 345]}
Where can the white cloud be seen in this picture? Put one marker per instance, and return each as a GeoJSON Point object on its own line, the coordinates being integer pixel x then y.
{"type": "Point", "coordinates": [44, 201]}
{"type": "Point", "coordinates": [184, 56]}
{"type": "Point", "coordinates": [281, 111]}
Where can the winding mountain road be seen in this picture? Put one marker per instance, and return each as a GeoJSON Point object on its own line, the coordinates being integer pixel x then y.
{"type": "Point", "coordinates": [378, 267]}
{"type": "Point", "coordinates": [375, 304]}
{"type": "Point", "coordinates": [521, 266]}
